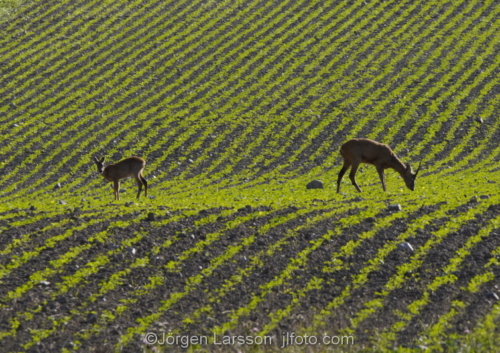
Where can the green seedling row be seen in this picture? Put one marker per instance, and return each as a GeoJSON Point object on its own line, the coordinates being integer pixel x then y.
{"type": "Point", "coordinates": [109, 84]}
{"type": "Point", "coordinates": [447, 278]}
{"type": "Point", "coordinates": [361, 94]}
{"type": "Point", "coordinates": [401, 93]}
{"type": "Point", "coordinates": [236, 107]}
{"type": "Point", "coordinates": [90, 268]}
{"type": "Point", "coordinates": [117, 278]}
{"type": "Point", "coordinates": [254, 262]}
{"type": "Point", "coordinates": [282, 148]}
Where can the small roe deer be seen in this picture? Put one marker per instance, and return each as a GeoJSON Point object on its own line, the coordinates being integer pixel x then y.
{"type": "Point", "coordinates": [357, 151]}
{"type": "Point", "coordinates": [129, 167]}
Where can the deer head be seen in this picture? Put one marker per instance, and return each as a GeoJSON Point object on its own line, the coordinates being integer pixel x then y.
{"type": "Point", "coordinates": [410, 176]}
{"type": "Point", "coordinates": [100, 164]}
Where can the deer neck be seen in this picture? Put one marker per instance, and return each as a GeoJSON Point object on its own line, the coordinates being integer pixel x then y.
{"type": "Point", "coordinates": [106, 174]}
{"type": "Point", "coordinates": [398, 166]}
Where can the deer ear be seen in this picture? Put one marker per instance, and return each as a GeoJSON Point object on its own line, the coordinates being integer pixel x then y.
{"type": "Point", "coordinates": [95, 159]}
{"type": "Point", "coordinates": [102, 159]}
{"type": "Point", "coordinates": [418, 168]}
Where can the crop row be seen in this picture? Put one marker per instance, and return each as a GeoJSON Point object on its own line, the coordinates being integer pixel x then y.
{"type": "Point", "coordinates": [210, 238]}
{"type": "Point", "coordinates": [351, 220]}
{"type": "Point", "coordinates": [124, 143]}
{"type": "Point", "coordinates": [236, 107]}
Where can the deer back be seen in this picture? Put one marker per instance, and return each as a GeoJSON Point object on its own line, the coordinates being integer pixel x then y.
{"type": "Point", "coordinates": [126, 168]}
{"type": "Point", "coordinates": [367, 151]}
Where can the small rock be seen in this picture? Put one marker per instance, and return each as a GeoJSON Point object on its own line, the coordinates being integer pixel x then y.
{"type": "Point", "coordinates": [371, 219]}
{"type": "Point", "coordinates": [151, 217]}
{"type": "Point", "coordinates": [479, 120]}
{"type": "Point", "coordinates": [315, 184]}
{"type": "Point", "coordinates": [190, 160]}
{"type": "Point", "coordinates": [62, 202]}
{"type": "Point", "coordinates": [57, 186]}
{"type": "Point", "coordinates": [473, 199]}
{"type": "Point", "coordinates": [468, 232]}
{"type": "Point", "coordinates": [484, 197]}
{"type": "Point", "coordinates": [123, 189]}
{"type": "Point", "coordinates": [13, 105]}
{"type": "Point", "coordinates": [405, 246]}
{"type": "Point", "coordinates": [247, 208]}
{"type": "Point", "coordinates": [61, 300]}
{"type": "Point", "coordinates": [118, 257]}
{"type": "Point", "coordinates": [492, 295]}
{"type": "Point", "coordinates": [45, 283]}
{"type": "Point", "coordinates": [91, 318]}
{"type": "Point", "coordinates": [133, 251]}
{"type": "Point", "coordinates": [396, 207]}
{"type": "Point", "coordinates": [32, 208]}
{"type": "Point", "coordinates": [309, 236]}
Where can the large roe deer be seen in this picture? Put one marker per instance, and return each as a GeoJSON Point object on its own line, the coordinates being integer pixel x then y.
{"type": "Point", "coordinates": [129, 167]}
{"type": "Point", "coordinates": [357, 151]}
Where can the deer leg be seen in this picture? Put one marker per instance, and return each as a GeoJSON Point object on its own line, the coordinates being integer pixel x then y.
{"type": "Point", "coordinates": [380, 171]}
{"type": "Point", "coordinates": [145, 185]}
{"type": "Point", "coordinates": [341, 174]}
{"type": "Point", "coordinates": [352, 176]}
{"type": "Point", "coordinates": [139, 184]}
{"type": "Point", "coordinates": [116, 187]}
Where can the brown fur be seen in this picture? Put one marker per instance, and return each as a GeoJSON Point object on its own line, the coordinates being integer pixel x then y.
{"type": "Point", "coordinates": [127, 168]}
{"type": "Point", "coordinates": [357, 151]}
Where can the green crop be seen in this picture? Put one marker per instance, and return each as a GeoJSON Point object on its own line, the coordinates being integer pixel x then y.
{"type": "Point", "coordinates": [236, 106]}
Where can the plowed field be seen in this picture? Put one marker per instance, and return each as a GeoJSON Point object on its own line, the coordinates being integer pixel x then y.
{"type": "Point", "coordinates": [236, 106]}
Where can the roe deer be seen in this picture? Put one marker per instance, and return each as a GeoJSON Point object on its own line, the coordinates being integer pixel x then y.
{"type": "Point", "coordinates": [357, 151]}
{"type": "Point", "coordinates": [129, 167]}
